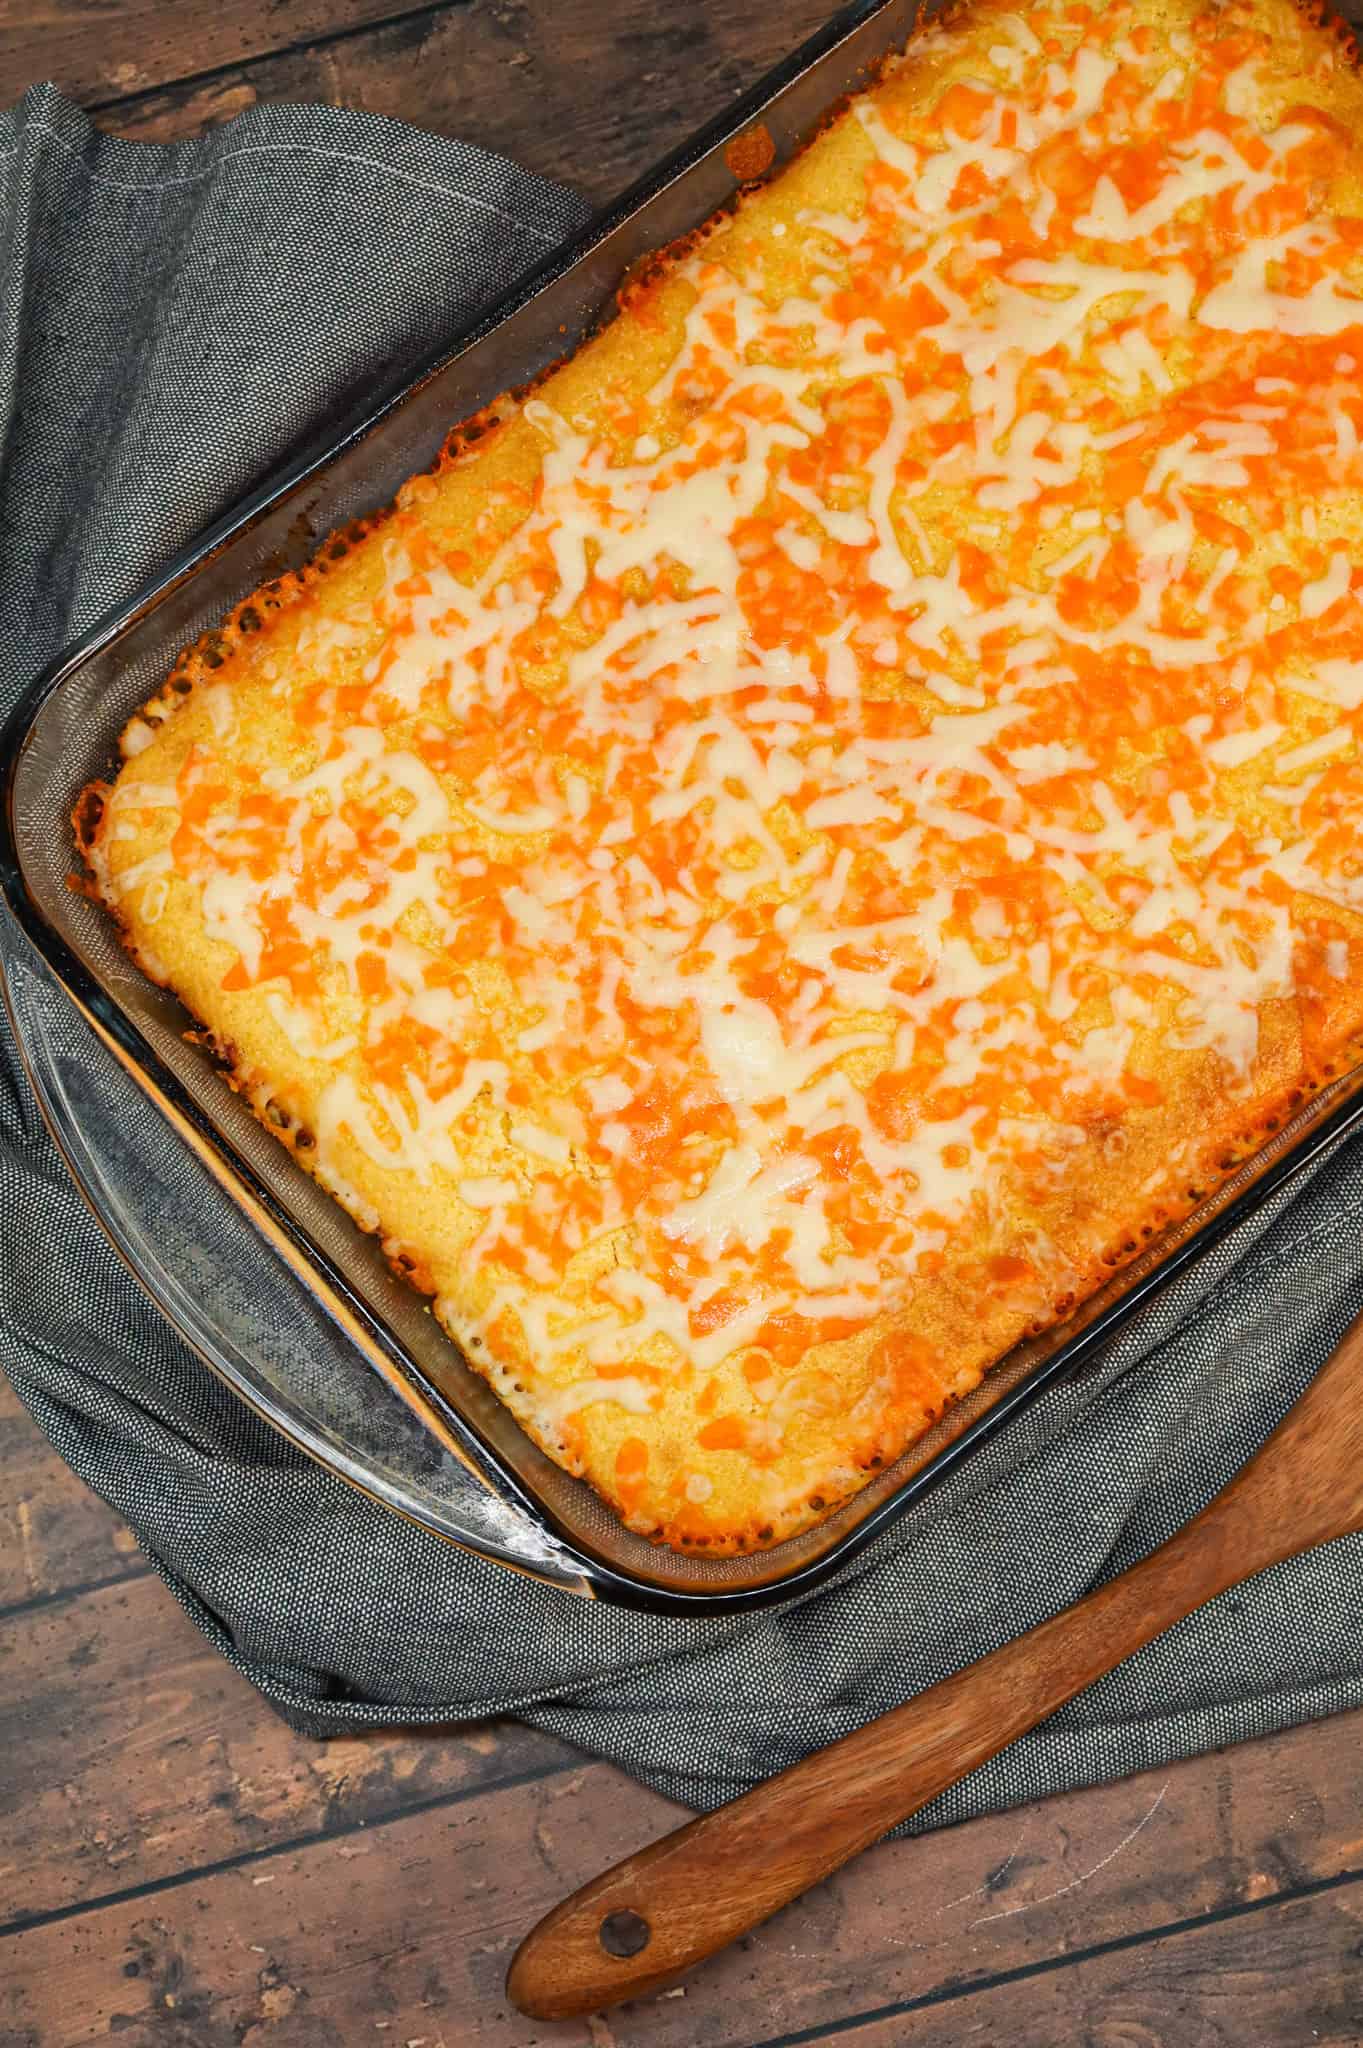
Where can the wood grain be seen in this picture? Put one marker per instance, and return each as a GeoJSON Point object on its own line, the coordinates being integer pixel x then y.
{"type": "Point", "coordinates": [549, 85]}
{"type": "Point", "coordinates": [1286, 1977]}
{"type": "Point", "coordinates": [54, 1533]}
{"type": "Point", "coordinates": [134, 1755]}
{"type": "Point", "coordinates": [133, 1752]}
{"type": "Point", "coordinates": [402, 1930]}
{"type": "Point", "coordinates": [100, 50]}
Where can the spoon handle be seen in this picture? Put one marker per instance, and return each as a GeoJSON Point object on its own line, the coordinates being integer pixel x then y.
{"type": "Point", "coordinates": [638, 1926]}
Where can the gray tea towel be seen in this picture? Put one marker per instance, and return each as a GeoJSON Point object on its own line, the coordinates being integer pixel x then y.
{"type": "Point", "coordinates": [175, 321]}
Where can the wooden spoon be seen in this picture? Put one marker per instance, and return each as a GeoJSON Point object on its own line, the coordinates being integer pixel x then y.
{"type": "Point", "coordinates": [658, 1913]}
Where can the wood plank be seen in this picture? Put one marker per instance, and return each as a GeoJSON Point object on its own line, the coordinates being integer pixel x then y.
{"type": "Point", "coordinates": [54, 1533]}
{"type": "Point", "coordinates": [405, 1930]}
{"type": "Point", "coordinates": [591, 103]}
{"type": "Point", "coordinates": [132, 1751]}
{"type": "Point", "coordinates": [98, 51]}
{"type": "Point", "coordinates": [1283, 1977]}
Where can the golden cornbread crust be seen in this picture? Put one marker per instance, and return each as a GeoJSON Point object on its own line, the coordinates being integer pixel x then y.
{"type": "Point", "coordinates": [226, 777]}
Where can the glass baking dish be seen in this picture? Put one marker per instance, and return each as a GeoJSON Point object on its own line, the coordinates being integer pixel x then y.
{"type": "Point", "coordinates": [280, 1293]}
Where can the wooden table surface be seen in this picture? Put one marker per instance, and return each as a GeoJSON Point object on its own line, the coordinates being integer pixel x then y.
{"type": "Point", "coordinates": [179, 1871]}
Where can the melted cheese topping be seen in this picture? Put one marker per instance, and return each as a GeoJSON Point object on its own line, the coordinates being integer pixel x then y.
{"type": "Point", "coordinates": [899, 725]}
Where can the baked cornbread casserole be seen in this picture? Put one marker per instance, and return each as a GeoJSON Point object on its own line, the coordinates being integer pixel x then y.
{"type": "Point", "coordinates": [806, 839]}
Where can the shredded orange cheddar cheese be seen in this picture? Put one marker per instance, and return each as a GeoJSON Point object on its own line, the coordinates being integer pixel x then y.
{"type": "Point", "coordinates": [773, 862]}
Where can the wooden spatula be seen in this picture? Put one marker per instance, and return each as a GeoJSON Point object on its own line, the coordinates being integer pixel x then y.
{"type": "Point", "coordinates": [640, 1925]}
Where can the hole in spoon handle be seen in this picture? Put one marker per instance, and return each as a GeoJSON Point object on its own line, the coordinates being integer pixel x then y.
{"type": "Point", "coordinates": [624, 1933]}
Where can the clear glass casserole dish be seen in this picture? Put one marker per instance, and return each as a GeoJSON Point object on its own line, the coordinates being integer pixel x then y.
{"type": "Point", "coordinates": [280, 1293]}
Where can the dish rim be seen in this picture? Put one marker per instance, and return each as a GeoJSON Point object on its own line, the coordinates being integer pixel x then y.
{"type": "Point", "coordinates": [1324, 1118]}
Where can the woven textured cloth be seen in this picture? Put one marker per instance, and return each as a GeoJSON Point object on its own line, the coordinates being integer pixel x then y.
{"type": "Point", "coordinates": [173, 323]}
